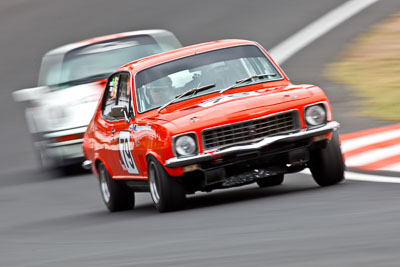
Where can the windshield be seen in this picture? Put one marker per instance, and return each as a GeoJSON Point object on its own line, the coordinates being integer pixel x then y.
{"type": "Point", "coordinates": [158, 85]}
{"type": "Point", "coordinates": [95, 61]}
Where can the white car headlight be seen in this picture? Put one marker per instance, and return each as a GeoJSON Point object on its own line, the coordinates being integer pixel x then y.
{"type": "Point", "coordinates": [185, 145]}
{"type": "Point", "coordinates": [315, 115]}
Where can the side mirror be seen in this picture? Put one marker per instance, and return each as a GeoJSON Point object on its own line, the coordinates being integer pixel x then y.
{"type": "Point", "coordinates": [120, 112]}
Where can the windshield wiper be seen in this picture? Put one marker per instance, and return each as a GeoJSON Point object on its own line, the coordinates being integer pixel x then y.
{"type": "Point", "coordinates": [82, 80]}
{"type": "Point", "coordinates": [248, 79]}
{"type": "Point", "coordinates": [188, 92]}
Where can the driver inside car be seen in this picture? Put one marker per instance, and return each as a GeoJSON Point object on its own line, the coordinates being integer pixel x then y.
{"type": "Point", "coordinates": [159, 92]}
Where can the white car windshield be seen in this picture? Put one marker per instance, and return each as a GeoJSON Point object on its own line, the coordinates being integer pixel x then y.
{"type": "Point", "coordinates": [220, 69]}
{"type": "Point", "coordinates": [96, 61]}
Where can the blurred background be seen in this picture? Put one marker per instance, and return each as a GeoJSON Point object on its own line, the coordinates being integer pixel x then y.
{"type": "Point", "coordinates": [31, 28]}
{"type": "Point", "coordinates": [46, 217]}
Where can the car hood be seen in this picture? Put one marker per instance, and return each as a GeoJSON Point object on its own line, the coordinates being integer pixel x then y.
{"type": "Point", "coordinates": [231, 108]}
{"type": "Point", "coordinates": [66, 108]}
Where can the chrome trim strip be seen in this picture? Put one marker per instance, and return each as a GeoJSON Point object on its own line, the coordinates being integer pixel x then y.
{"type": "Point", "coordinates": [66, 132]}
{"type": "Point", "coordinates": [66, 143]}
{"type": "Point", "coordinates": [178, 162]}
{"type": "Point", "coordinates": [87, 165]}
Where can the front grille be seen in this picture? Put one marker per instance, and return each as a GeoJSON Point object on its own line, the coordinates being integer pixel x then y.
{"type": "Point", "coordinates": [248, 131]}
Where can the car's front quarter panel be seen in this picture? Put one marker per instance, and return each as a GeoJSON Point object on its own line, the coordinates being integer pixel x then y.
{"type": "Point", "coordinates": [152, 139]}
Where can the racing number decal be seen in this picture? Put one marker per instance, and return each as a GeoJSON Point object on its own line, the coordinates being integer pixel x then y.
{"type": "Point", "coordinates": [126, 158]}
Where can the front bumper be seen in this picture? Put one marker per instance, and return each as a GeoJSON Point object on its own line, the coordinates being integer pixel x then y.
{"type": "Point", "coordinates": [265, 142]}
{"type": "Point", "coordinates": [62, 153]}
{"type": "Point", "coordinates": [65, 151]}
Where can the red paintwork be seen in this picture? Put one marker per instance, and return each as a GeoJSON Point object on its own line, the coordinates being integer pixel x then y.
{"type": "Point", "coordinates": [176, 118]}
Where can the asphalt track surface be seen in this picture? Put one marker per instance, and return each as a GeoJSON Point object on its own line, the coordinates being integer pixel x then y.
{"type": "Point", "coordinates": [48, 220]}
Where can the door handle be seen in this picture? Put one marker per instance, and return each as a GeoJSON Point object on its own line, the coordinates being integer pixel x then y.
{"type": "Point", "coordinates": [113, 131]}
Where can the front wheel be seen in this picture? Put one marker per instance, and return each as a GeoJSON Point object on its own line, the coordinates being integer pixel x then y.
{"type": "Point", "coordinates": [167, 193]}
{"type": "Point", "coordinates": [116, 196]}
{"type": "Point", "coordinates": [327, 164]}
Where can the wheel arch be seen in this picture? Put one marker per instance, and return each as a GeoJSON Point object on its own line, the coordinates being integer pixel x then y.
{"type": "Point", "coordinates": [97, 161]}
{"type": "Point", "coordinates": [171, 171]}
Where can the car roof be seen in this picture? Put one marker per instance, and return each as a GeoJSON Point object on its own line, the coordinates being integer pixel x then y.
{"type": "Point", "coordinates": [68, 47]}
{"type": "Point", "coordinates": [156, 59]}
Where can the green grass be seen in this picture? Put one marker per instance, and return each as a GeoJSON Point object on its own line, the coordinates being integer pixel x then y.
{"type": "Point", "coordinates": [370, 68]}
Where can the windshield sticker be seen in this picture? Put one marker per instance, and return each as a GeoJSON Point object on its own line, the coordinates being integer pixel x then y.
{"type": "Point", "coordinates": [113, 86]}
{"type": "Point", "coordinates": [126, 159]}
{"type": "Point", "coordinates": [226, 98]}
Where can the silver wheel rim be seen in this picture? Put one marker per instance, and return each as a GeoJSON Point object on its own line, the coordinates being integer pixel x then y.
{"type": "Point", "coordinates": [153, 187]}
{"type": "Point", "coordinates": [104, 187]}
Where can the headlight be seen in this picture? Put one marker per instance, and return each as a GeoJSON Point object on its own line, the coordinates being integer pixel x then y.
{"type": "Point", "coordinates": [185, 145]}
{"type": "Point", "coordinates": [315, 115]}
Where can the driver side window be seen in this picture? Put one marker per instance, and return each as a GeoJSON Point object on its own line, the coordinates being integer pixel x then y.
{"type": "Point", "coordinates": [124, 92]}
{"type": "Point", "coordinates": [118, 92]}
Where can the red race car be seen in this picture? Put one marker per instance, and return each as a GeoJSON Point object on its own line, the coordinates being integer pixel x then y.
{"type": "Point", "coordinates": [209, 116]}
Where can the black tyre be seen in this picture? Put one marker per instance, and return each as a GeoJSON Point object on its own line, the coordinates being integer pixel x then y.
{"type": "Point", "coordinates": [116, 196]}
{"type": "Point", "coordinates": [271, 181]}
{"type": "Point", "coordinates": [327, 164]}
{"type": "Point", "coordinates": [167, 193]}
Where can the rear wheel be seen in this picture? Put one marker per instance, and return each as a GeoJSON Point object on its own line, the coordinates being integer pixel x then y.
{"type": "Point", "coordinates": [327, 164]}
{"type": "Point", "coordinates": [271, 181]}
{"type": "Point", "coordinates": [116, 195]}
{"type": "Point", "coordinates": [167, 193]}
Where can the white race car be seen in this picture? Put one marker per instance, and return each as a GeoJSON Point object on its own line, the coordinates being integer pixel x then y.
{"type": "Point", "coordinates": [71, 81]}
